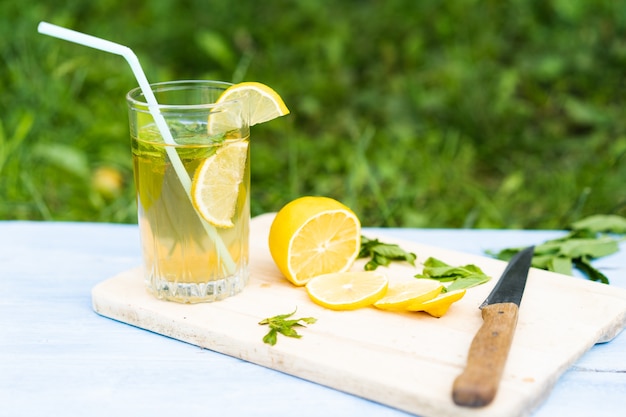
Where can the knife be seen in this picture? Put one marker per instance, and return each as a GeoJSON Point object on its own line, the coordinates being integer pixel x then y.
{"type": "Point", "coordinates": [477, 385]}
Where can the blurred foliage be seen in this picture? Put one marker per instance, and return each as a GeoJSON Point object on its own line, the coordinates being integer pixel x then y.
{"type": "Point", "coordinates": [463, 113]}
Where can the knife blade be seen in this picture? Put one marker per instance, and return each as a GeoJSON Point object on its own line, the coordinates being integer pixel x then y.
{"type": "Point", "coordinates": [478, 384]}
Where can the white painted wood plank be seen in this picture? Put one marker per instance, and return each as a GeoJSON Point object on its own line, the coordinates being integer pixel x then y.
{"type": "Point", "coordinates": [57, 357]}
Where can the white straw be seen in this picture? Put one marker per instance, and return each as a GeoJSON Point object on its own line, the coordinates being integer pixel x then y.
{"type": "Point", "coordinates": [115, 48]}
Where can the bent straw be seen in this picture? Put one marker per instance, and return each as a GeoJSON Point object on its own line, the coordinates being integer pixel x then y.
{"type": "Point", "coordinates": [115, 48]}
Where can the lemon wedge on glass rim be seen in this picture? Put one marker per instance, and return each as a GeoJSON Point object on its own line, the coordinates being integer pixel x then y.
{"type": "Point", "coordinates": [216, 182]}
{"type": "Point", "coordinates": [260, 104]}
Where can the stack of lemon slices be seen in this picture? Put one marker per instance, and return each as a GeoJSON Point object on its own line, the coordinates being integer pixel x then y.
{"type": "Point", "coordinates": [314, 241]}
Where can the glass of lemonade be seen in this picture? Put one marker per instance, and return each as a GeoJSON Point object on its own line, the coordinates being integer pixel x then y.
{"type": "Point", "coordinates": [189, 256]}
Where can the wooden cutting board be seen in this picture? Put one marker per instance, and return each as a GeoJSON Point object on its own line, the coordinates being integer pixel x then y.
{"type": "Point", "coordinates": [404, 360]}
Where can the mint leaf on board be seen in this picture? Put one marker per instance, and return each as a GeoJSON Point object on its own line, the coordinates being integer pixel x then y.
{"type": "Point", "coordinates": [460, 276]}
{"type": "Point", "coordinates": [280, 324]}
{"type": "Point", "coordinates": [467, 282]}
{"type": "Point", "coordinates": [382, 254]}
{"type": "Point", "coordinates": [588, 239]}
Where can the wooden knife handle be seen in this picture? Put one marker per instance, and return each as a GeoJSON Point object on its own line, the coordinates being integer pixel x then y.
{"type": "Point", "coordinates": [478, 384]}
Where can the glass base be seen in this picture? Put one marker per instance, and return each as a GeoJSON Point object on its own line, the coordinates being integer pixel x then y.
{"type": "Point", "coordinates": [191, 292]}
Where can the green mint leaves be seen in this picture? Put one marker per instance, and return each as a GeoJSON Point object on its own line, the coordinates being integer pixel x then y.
{"type": "Point", "coordinates": [588, 239]}
{"type": "Point", "coordinates": [601, 223]}
{"type": "Point", "coordinates": [461, 276]}
{"type": "Point", "coordinates": [382, 254]}
{"type": "Point", "coordinates": [280, 324]}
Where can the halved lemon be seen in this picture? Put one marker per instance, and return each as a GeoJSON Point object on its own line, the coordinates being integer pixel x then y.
{"type": "Point", "coordinates": [312, 236]}
{"type": "Point", "coordinates": [439, 305]}
{"type": "Point", "coordinates": [401, 296]}
{"type": "Point", "coordinates": [216, 182]}
{"type": "Point", "coordinates": [347, 290]}
{"type": "Point", "coordinates": [258, 102]}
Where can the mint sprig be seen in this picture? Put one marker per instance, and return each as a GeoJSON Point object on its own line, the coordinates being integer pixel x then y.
{"type": "Point", "coordinates": [280, 324]}
{"type": "Point", "coordinates": [382, 254]}
{"type": "Point", "coordinates": [461, 277]}
{"type": "Point", "coordinates": [590, 238]}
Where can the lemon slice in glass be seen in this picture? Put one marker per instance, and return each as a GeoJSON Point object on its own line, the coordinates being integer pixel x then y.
{"type": "Point", "coordinates": [215, 185]}
{"type": "Point", "coordinates": [216, 182]}
{"type": "Point", "coordinates": [347, 290]}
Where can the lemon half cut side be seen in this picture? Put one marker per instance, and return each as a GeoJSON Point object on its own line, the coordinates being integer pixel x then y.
{"type": "Point", "coordinates": [312, 236]}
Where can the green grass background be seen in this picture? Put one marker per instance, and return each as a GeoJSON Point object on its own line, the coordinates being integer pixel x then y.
{"type": "Point", "coordinates": [457, 113]}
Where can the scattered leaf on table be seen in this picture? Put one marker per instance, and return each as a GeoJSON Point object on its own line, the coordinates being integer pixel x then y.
{"type": "Point", "coordinates": [602, 223]}
{"type": "Point", "coordinates": [587, 240]}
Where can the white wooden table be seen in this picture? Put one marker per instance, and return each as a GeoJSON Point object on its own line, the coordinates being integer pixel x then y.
{"type": "Point", "coordinates": [58, 357]}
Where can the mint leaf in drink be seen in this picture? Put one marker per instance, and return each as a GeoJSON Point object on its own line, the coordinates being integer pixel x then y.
{"type": "Point", "coordinates": [588, 239]}
{"type": "Point", "coordinates": [280, 324]}
{"type": "Point", "coordinates": [460, 276]}
{"type": "Point", "coordinates": [382, 254]}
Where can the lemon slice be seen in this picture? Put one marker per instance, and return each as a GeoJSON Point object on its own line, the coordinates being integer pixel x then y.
{"type": "Point", "coordinates": [347, 290]}
{"type": "Point", "coordinates": [261, 103]}
{"type": "Point", "coordinates": [312, 236]}
{"type": "Point", "coordinates": [439, 305]}
{"type": "Point", "coordinates": [215, 185]}
{"type": "Point", "coordinates": [402, 296]}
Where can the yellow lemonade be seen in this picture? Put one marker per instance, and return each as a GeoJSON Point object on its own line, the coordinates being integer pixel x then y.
{"type": "Point", "coordinates": [182, 261]}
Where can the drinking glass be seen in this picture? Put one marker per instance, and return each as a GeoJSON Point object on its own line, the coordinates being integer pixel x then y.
{"type": "Point", "coordinates": [187, 258]}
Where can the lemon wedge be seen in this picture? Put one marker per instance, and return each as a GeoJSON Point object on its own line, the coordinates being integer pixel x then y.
{"type": "Point", "coordinates": [258, 101]}
{"type": "Point", "coordinates": [439, 305]}
{"type": "Point", "coordinates": [401, 296]}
